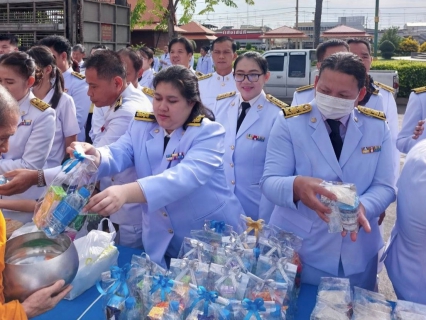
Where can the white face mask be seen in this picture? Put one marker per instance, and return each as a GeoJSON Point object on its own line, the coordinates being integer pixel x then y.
{"type": "Point", "coordinates": [332, 107]}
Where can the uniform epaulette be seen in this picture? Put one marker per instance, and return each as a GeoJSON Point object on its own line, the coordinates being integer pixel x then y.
{"type": "Point", "coordinates": [296, 110]}
{"type": "Point", "coordinates": [78, 75]}
{"type": "Point", "coordinates": [204, 76]}
{"type": "Point", "coordinates": [148, 91]}
{"type": "Point", "coordinates": [118, 103]}
{"type": "Point", "coordinates": [196, 122]}
{"type": "Point", "coordinates": [304, 88]}
{"type": "Point", "coordinates": [419, 90]}
{"type": "Point", "coordinates": [276, 101]}
{"type": "Point", "coordinates": [375, 92]}
{"type": "Point", "coordinates": [372, 113]}
{"type": "Point", "coordinates": [385, 87]}
{"type": "Point", "coordinates": [39, 104]}
{"type": "Point", "coordinates": [226, 95]}
{"type": "Point", "coordinates": [145, 116]}
{"type": "Point", "coordinates": [199, 74]}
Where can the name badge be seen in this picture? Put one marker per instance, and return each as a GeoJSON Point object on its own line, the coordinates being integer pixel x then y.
{"type": "Point", "coordinates": [372, 149]}
{"type": "Point", "coordinates": [175, 156]}
{"type": "Point", "coordinates": [255, 137]}
{"type": "Point", "coordinates": [26, 123]}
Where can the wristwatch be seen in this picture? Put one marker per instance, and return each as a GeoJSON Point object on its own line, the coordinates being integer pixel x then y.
{"type": "Point", "coordinates": [40, 178]}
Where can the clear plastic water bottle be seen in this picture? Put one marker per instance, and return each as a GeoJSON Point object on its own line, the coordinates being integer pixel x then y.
{"type": "Point", "coordinates": [132, 312]}
{"type": "Point", "coordinates": [349, 215]}
{"type": "Point", "coordinates": [3, 180]}
{"type": "Point", "coordinates": [66, 211]}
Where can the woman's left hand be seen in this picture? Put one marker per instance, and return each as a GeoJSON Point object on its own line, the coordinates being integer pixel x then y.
{"type": "Point", "coordinates": [107, 202]}
{"type": "Point", "coordinates": [362, 222]}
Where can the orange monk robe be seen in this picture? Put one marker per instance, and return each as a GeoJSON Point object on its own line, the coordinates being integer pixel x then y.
{"type": "Point", "coordinates": [12, 310]}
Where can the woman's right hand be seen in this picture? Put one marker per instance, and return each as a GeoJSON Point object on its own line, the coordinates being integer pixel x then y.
{"type": "Point", "coordinates": [20, 180]}
{"type": "Point", "coordinates": [87, 148]}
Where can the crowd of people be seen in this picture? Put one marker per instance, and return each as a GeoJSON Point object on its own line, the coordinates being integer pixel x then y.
{"type": "Point", "coordinates": [179, 146]}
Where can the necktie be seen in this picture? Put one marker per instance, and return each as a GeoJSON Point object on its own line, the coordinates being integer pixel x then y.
{"type": "Point", "coordinates": [245, 106]}
{"type": "Point", "coordinates": [336, 139]}
{"type": "Point", "coordinates": [166, 141]}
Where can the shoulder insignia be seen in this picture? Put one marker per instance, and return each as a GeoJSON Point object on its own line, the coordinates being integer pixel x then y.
{"type": "Point", "coordinates": [385, 87]}
{"type": "Point", "coordinates": [226, 95]}
{"type": "Point", "coordinates": [78, 75]}
{"type": "Point", "coordinates": [145, 116]}
{"type": "Point", "coordinates": [276, 101]}
{"type": "Point", "coordinates": [375, 92]}
{"type": "Point", "coordinates": [148, 91]}
{"type": "Point", "coordinates": [372, 113]}
{"type": "Point", "coordinates": [39, 104]}
{"type": "Point", "coordinates": [419, 90]}
{"type": "Point", "coordinates": [196, 122]}
{"type": "Point", "coordinates": [296, 110]}
{"type": "Point", "coordinates": [304, 88]}
{"type": "Point", "coordinates": [118, 103]}
{"type": "Point", "coordinates": [199, 74]}
{"type": "Point", "coordinates": [155, 73]}
{"type": "Point", "coordinates": [204, 76]}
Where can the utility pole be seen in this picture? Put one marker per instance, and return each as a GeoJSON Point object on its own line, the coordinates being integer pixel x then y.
{"type": "Point", "coordinates": [297, 14]}
{"type": "Point", "coordinates": [376, 29]}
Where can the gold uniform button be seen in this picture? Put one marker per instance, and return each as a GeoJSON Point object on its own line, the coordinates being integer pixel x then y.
{"type": "Point", "coordinates": [156, 131]}
{"type": "Point", "coordinates": [164, 214]}
{"type": "Point", "coordinates": [231, 164]}
{"type": "Point", "coordinates": [170, 231]}
{"type": "Point", "coordinates": [232, 147]}
{"type": "Point", "coordinates": [233, 181]}
{"type": "Point", "coordinates": [222, 84]}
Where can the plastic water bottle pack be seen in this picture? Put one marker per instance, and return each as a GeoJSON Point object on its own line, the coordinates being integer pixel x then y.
{"type": "Point", "coordinates": [67, 195]}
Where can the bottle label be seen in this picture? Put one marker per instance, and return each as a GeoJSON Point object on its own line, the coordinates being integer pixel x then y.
{"type": "Point", "coordinates": [65, 213]}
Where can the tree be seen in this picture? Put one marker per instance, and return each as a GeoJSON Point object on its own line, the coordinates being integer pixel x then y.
{"type": "Point", "coordinates": [238, 45]}
{"type": "Point", "coordinates": [168, 15]}
{"type": "Point", "coordinates": [317, 22]}
{"type": "Point", "coordinates": [248, 46]}
{"type": "Point", "coordinates": [387, 49]}
{"type": "Point", "coordinates": [423, 47]}
{"type": "Point", "coordinates": [136, 14]}
{"type": "Point", "coordinates": [391, 34]}
{"type": "Point", "coordinates": [409, 45]}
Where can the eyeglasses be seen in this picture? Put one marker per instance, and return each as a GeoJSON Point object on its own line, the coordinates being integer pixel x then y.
{"type": "Point", "coordinates": [252, 77]}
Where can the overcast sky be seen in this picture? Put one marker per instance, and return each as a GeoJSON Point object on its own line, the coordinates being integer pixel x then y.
{"type": "Point", "coordinates": [276, 13]}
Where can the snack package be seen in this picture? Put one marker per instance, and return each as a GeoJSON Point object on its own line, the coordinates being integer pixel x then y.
{"type": "Point", "coordinates": [228, 281]}
{"type": "Point", "coordinates": [370, 305]}
{"type": "Point", "coordinates": [406, 310]}
{"type": "Point", "coordinates": [158, 292]}
{"type": "Point", "coordinates": [268, 290]}
{"type": "Point", "coordinates": [68, 193]}
{"type": "Point", "coordinates": [347, 206]}
{"type": "Point", "coordinates": [257, 309]}
{"type": "Point", "coordinates": [194, 249]}
{"type": "Point", "coordinates": [189, 271]}
{"type": "Point", "coordinates": [324, 311]}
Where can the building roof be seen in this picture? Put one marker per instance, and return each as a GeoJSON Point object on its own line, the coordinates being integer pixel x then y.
{"type": "Point", "coordinates": [196, 28]}
{"type": "Point", "coordinates": [151, 27]}
{"type": "Point", "coordinates": [416, 24]}
{"type": "Point", "coordinates": [345, 32]}
{"type": "Point", "coordinates": [284, 32]}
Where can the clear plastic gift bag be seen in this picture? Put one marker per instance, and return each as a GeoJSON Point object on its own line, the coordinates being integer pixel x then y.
{"type": "Point", "coordinates": [325, 311]}
{"type": "Point", "coordinates": [253, 229]}
{"type": "Point", "coordinates": [268, 290]}
{"type": "Point", "coordinates": [257, 309]}
{"type": "Point", "coordinates": [229, 281]}
{"type": "Point", "coordinates": [67, 195]}
{"type": "Point", "coordinates": [194, 249]}
{"type": "Point", "coordinates": [406, 310]}
{"type": "Point", "coordinates": [189, 271]}
{"type": "Point", "coordinates": [205, 304]}
{"type": "Point", "coordinates": [212, 233]}
{"type": "Point", "coordinates": [370, 305]}
{"type": "Point", "coordinates": [234, 256]}
{"type": "Point", "coordinates": [335, 291]}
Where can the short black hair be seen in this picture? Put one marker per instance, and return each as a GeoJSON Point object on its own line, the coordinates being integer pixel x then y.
{"type": "Point", "coordinates": [322, 48]}
{"type": "Point", "coordinates": [21, 62]}
{"type": "Point", "coordinates": [188, 45]}
{"type": "Point", "coordinates": [186, 82]}
{"type": "Point", "coordinates": [256, 57]}
{"type": "Point", "coordinates": [99, 46]}
{"type": "Point", "coordinates": [223, 39]}
{"type": "Point", "coordinates": [58, 43]}
{"type": "Point", "coordinates": [363, 41]}
{"type": "Point", "coordinates": [13, 40]}
{"type": "Point", "coordinates": [107, 64]}
{"type": "Point", "coordinates": [148, 52]}
{"type": "Point", "coordinates": [79, 47]}
{"type": "Point", "coordinates": [345, 62]}
{"type": "Point", "coordinates": [133, 55]}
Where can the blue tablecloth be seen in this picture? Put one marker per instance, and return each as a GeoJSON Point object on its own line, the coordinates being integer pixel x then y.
{"type": "Point", "coordinates": [71, 310]}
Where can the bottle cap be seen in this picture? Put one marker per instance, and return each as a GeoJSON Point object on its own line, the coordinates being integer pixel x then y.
{"type": "Point", "coordinates": [84, 192]}
{"type": "Point", "coordinates": [130, 303]}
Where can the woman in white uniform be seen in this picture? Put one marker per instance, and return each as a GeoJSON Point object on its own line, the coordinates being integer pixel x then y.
{"type": "Point", "coordinates": [177, 152]}
{"type": "Point", "coordinates": [248, 116]}
{"type": "Point", "coordinates": [147, 67]}
{"type": "Point", "coordinates": [29, 148]}
{"type": "Point", "coordinates": [49, 88]}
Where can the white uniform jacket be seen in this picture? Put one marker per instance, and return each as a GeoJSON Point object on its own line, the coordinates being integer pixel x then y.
{"type": "Point", "coordinates": [212, 85]}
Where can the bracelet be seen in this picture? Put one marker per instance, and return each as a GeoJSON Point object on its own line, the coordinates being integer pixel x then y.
{"type": "Point", "coordinates": [41, 182]}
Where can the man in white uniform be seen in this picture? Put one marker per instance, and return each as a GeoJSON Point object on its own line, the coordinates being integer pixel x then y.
{"type": "Point", "coordinates": [165, 58]}
{"type": "Point", "coordinates": [222, 81]}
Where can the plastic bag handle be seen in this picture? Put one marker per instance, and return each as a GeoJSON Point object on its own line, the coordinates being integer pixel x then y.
{"type": "Point", "coordinates": [111, 228]}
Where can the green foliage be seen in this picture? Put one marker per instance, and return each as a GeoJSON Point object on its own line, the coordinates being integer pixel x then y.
{"type": "Point", "coordinates": [391, 34]}
{"type": "Point", "coordinates": [238, 45]}
{"type": "Point", "coordinates": [387, 49]}
{"type": "Point", "coordinates": [409, 45]}
{"type": "Point", "coordinates": [136, 14]}
{"type": "Point", "coordinates": [423, 47]}
{"type": "Point", "coordinates": [412, 74]}
{"type": "Point", "coordinates": [242, 51]}
{"type": "Point", "coordinates": [248, 46]}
